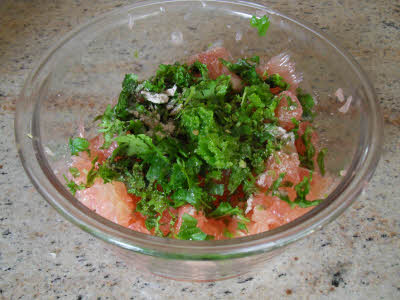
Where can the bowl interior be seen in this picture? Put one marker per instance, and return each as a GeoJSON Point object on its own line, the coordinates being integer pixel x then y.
{"type": "Point", "coordinates": [82, 74]}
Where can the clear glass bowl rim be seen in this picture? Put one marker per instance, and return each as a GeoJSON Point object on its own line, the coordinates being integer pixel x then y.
{"type": "Point", "coordinates": [360, 172]}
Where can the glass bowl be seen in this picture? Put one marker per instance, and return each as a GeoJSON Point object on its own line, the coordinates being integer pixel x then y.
{"type": "Point", "coordinates": [83, 72]}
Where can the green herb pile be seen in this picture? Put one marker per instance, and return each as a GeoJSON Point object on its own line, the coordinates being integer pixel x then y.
{"type": "Point", "coordinates": [186, 139]}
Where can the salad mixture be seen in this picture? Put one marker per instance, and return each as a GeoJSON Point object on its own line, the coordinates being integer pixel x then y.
{"type": "Point", "coordinates": [208, 149]}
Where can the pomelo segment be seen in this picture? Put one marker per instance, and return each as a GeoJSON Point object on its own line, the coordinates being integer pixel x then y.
{"type": "Point", "coordinates": [110, 200]}
{"type": "Point", "coordinates": [281, 64]}
{"type": "Point", "coordinates": [288, 108]}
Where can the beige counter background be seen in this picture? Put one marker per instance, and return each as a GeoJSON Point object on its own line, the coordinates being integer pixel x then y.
{"type": "Point", "coordinates": [356, 257]}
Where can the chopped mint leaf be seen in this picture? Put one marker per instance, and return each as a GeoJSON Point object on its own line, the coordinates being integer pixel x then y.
{"type": "Point", "coordinates": [78, 144]}
{"type": "Point", "coordinates": [275, 80]}
{"type": "Point", "coordinates": [261, 24]}
{"type": "Point", "coordinates": [245, 68]}
{"type": "Point", "coordinates": [225, 209]}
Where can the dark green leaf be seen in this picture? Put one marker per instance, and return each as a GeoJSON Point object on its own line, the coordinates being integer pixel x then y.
{"type": "Point", "coordinates": [136, 145]}
{"type": "Point", "coordinates": [92, 174]}
{"type": "Point", "coordinates": [275, 80]}
{"type": "Point", "coordinates": [245, 69]}
{"type": "Point", "coordinates": [307, 160]}
{"type": "Point", "coordinates": [307, 103]}
{"type": "Point", "coordinates": [238, 175]}
{"type": "Point", "coordinates": [107, 174]}
{"type": "Point", "coordinates": [216, 189]}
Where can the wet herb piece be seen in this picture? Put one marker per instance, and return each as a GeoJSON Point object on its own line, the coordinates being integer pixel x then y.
{"type": "Point", "coordinates": [321, 160]}
{"type": "Point", "coordinates": [74, 172]}
{"type": "Point", "coordinates": [189, 229]}
{"type": "Point", "coordinates": [107, 174]}
{"type": "Point", "coordinates": [261, 24]}
{"type": "Point", "coordinates": [276, 184]}
{"type": "Point", "coordinates": [307, 160]}
{"type": "Point", "coordinates": [245, 69]}
{"type": "Point", "coordinates": [302, 189]}
{"type": "Point", "coordinates": [225, 209]}
{"type": "Point", "coordinates": [296, 127]}
{"type": "Point", "coordinates": [92, 174]}
{"type": "Point", "coordinates": [77, 145]}
{"type": "Point", "coordinates": [242, 226]}
{"type": "Point", "coordinates": [307, 103]}
{"type": "Point", "coordinates": [275, 80]}
{"type": "Point", "coordinates": [72, 186]}
{"type": "Point", "coordinates": [154, 222]}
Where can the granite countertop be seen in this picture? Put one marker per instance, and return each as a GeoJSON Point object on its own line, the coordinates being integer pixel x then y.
{"type": "Point", "coordinates": [355, 257]}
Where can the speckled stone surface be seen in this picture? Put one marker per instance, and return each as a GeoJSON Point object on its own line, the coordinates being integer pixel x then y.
{"type": "Point", "coordinates": [355, 257]}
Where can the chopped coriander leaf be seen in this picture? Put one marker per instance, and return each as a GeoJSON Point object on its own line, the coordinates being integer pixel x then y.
{"type": "Point", "coordinates": [261, 24]}
{"type": "Point", "coordinates": [107, 174]}
{"type": "Point", "coordinates": [189, 229]}
{"type": "Point", "coordinates": [78, 144]}
{"type": "Point", "coordinates": [72, 186]}
{"type": "Point", "coordinates": [154, 203]}
{"type": "Point", "coordinates": [184, 196]}
{"type": "Point", "coordinates": [74, 172]}
{"type": "Point", "coordinates": [216, 189]}
{"type": "Point", "coordinates": [200, 68]}
{"type": "Point", "coordinates": [169, 75]}
{"type": "Point", "coordinates": [245, 68]}
{"type": "Point", "coordinates": [321, 160]}
{"type": "Point", "coordinates": [126, 96]}
{"type": "Point", "coordinates": [275, 80]}
{"type": "Point", "coordinates": [154, 223]}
